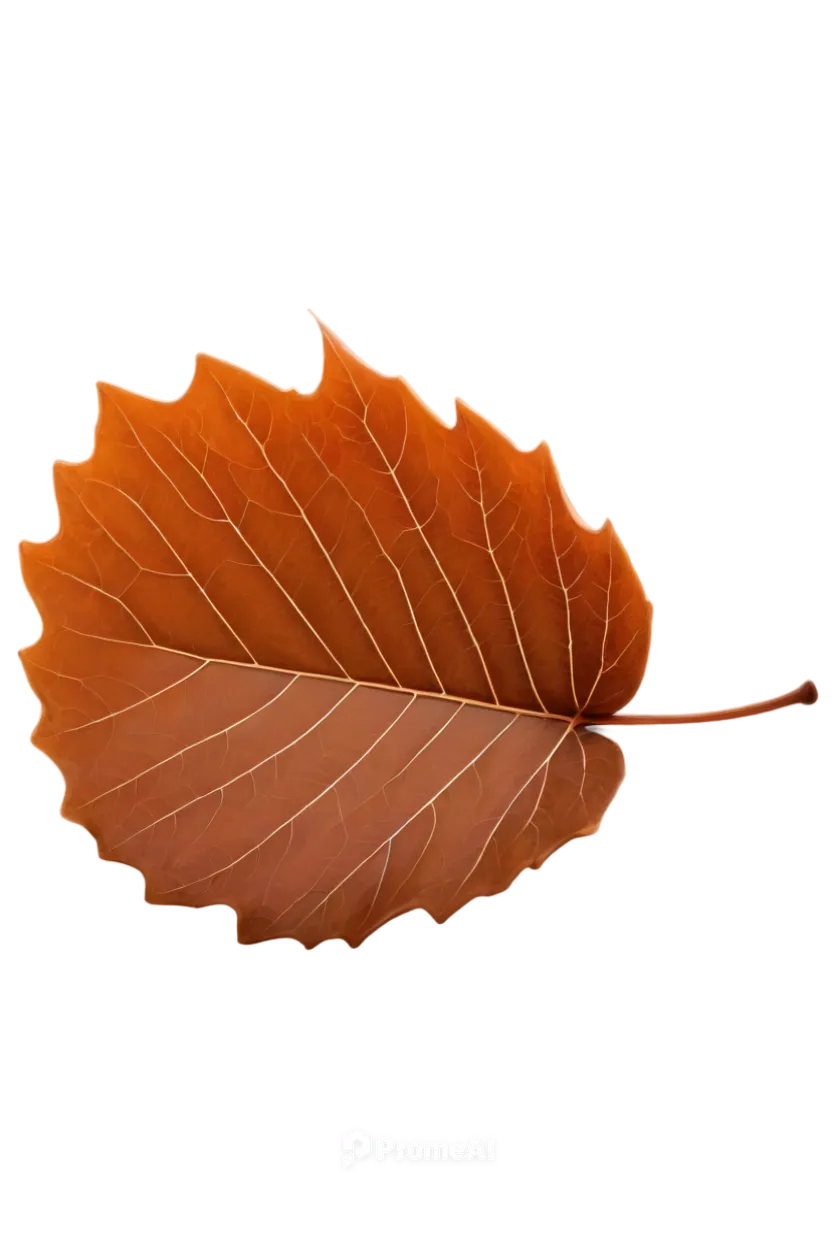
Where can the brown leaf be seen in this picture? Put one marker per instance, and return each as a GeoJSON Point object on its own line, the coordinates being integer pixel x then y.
{"type": "Point", "coordinates": [313, 807]}
{"type": "Point", "coordinates": [320, 657]}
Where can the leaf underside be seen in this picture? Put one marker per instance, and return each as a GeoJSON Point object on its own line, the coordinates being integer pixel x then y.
{"type": "Point", "coordinates": [318, 656]}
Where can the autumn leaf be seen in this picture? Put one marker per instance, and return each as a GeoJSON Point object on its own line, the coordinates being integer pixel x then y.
{"type": "Point", "coordinates": [323, 659]}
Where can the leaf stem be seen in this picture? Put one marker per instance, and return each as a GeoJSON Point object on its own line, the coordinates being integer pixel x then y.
{"type": "Point", "coordinates": [806, 694]}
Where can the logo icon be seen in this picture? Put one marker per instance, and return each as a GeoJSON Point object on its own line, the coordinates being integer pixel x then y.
{"type": "Point", "coordinates": [356, 1144]}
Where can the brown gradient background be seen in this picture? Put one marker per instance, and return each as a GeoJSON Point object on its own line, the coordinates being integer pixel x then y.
{"type": "Point", "coordinates": [179, 177]}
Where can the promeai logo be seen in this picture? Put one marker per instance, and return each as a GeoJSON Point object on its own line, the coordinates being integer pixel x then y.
{"type": "Point", "coordinates": [357, 1144]}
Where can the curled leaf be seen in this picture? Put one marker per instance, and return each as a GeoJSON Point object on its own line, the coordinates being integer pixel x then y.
{"type": "Point", "coordinates": [313, 807]}
{"type": "Point", "coordinates": [322, 658]}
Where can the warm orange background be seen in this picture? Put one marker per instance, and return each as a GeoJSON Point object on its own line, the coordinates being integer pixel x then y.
{"type": "Point", "coordinates": [181, 177]}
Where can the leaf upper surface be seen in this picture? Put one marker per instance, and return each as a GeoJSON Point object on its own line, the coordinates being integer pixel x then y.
{"type": "Point", "coordinates": [317, 656]}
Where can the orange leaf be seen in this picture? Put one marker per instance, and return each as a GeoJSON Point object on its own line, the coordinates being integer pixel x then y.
{"type": "Point", "coordinates": [320, 657]}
